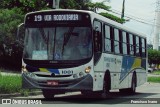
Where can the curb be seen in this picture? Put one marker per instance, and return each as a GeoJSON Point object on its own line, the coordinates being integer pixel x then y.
{"type": "Point", "coordinates": [19, 94]}
{"type": "Point", "coordinates": [152, 75]}
{"type": "Point", "coordinates": [10, 95]}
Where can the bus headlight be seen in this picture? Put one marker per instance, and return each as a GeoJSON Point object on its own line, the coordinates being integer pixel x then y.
{"type": "Point", "coordinates": [88, 69]}
{"type": "Point", "coordinates": [24, 69]}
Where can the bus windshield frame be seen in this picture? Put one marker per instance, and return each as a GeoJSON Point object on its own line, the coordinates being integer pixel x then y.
{"type": "Point", "coordinates": [54, 38]}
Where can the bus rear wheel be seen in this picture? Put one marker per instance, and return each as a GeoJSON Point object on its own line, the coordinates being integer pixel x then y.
{"type": "Point", "coordinates": [48, 94]}
{"type": "Point", "coordinates": [131, 90]}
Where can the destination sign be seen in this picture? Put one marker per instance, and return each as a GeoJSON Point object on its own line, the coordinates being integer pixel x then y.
{"type": "Point", "coordinates": [51, 18]}
{"type": "Point", "coordinates": [58, 17]}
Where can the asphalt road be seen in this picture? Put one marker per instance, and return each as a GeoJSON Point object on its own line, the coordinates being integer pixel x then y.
{"type": "Point", "coordinates": [149, 93]}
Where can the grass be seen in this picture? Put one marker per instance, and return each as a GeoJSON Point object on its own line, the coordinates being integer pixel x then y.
{"type": "Point", "coordinates": [13, 84]}
{"type": "Point", "coordinates": [156, 72]}
{"type": "Point", "coordinates": [10, 83]}
{"type": "Point", "coordinates": [154, 79]}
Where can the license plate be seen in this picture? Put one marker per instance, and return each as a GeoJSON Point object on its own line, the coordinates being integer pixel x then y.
{"type": "Point", "coordinates": [52, 83]}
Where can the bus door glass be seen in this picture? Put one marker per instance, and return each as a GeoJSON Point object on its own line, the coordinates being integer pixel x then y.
{"type": "Point", "coordinates": [97, 40]}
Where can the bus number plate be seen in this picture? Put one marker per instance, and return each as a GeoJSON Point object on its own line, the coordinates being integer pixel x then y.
{"type": "Point", "coordinates": [52, 83]}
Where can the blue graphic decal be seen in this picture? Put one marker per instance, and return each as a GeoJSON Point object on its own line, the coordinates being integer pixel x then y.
{"type": "Point", "coordinates": [34, 69]}
{"type": "Point", "coordinates": [56, 71]}
{"type": "Point", "coordinates": [127, 63]}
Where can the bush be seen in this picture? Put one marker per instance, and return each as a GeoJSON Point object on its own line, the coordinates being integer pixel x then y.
{"type": "Point", "coordinates": [10, 83]}
{"type": "Point", "coordinates": [10, 52]}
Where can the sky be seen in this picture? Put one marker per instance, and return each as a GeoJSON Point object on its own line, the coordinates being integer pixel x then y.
{"type": "Point", "coordinates": [141, 14]}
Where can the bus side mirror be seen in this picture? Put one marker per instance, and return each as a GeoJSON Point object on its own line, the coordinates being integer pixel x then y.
{"type": "Point", "coordinates": [20, 34]}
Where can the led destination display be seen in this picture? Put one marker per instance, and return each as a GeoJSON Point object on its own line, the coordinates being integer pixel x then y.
{"type": "Point", "coordinates": [60, 17]}
{"type": "Point", "coordinates": [49, 18]}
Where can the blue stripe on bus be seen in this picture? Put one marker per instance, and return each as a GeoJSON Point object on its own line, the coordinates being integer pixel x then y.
{"type": "Point", "coordinates": [129, 64]}
{"type": "Point", "coordinates": [56, 71]}
{"type": "Point", "coordinates": [126, 67]}
{"type": "Point", "coordinates": [35, 69]}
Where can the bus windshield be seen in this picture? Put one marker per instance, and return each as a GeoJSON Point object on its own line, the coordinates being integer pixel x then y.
{"type": "Point", "coordinates": [57, 43]}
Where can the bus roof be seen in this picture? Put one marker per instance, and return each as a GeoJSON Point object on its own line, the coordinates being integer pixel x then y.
{"type": "Point", "coordinates": [98, 17]}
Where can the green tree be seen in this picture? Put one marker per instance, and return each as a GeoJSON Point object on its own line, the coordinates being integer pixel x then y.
{"type": "Point", "coordinates": [101, 5]}
{"type": "Point", "coordinates": [97, 5]}
{"type": "Point", "coordinates": [35, 5]}
{"type": "Point", "coordinates": [9, 20]}
{"type": "Point", "coordinates": [74, 4]}
{"type": "Point", "coordinates": [87, 5]}
{"type": "Point", "coordinates": [25, 5]}
{"type": "Point", "coordinates": [153, 57]}
{"type": "Point", "coordinates": [112, 17]}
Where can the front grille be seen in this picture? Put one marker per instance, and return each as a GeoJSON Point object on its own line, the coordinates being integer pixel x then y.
{"type": "Point", "coordinates": [40, 75]}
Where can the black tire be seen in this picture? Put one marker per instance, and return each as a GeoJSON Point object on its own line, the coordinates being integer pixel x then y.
{"type": "Point", "coordinates": [48, 94]}
{"type": "Point", "coordinates": [88, 94]}
{"type": "Point", "coordinates": [100, 94]}
{"type": "Point", "coordinates": [131, 90]}
{"type": "Point", "coordinates": [106, 86]}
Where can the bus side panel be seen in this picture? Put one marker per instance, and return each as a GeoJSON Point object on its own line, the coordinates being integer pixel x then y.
{"type": "Point", "coordinates": [113, 64]}
{"type": "Point", "coordinates": [139, 67]}
{"type": "Point", "coordinates": [142, 73]}
{"type": "Point", "coordinates": [98, 75]}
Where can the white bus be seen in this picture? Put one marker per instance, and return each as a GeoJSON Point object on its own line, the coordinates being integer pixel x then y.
{"type": "Point", "coordinates": [76, 50]}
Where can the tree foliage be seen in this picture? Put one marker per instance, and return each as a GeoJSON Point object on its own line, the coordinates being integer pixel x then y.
{"type": "Point", "coordinates": [97, 5]}
{"type": "Point", "coordinates": [101, 5]}
{"type": "Point", "coordinates": [112, 17]}
{"type": "Point", "coordinates": [24, 5]}
{"type": "Point", "coordinates": [9, 20]}
{"type": "Point", "coordinates": [153, 57]}
{"type": "Point", "coordinates": [74, 4]}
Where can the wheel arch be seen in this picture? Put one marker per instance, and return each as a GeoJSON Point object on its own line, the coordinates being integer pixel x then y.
{"type": "Point", "coordinates": [107, 77]}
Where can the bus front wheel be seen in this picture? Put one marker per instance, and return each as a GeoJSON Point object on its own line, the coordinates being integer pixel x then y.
{"type": "Point", "coordinates": [48, 94]}
{"type": "Point", "coordinates": [106, 86]}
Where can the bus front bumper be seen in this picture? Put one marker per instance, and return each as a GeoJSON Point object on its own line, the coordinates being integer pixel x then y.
{"type": "Point", "coordinates": [68, 84]}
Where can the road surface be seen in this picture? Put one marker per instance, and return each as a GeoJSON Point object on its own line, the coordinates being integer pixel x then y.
{"type": "Point", "coordinates": [149, 93]}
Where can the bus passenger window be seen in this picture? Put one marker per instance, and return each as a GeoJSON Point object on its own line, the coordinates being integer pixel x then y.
{"type": "Point", "coordinates": [143, 47]}
{"type": "Point", "coordinates": [116, 41]}
{"type": "Point", "coordinates": [132, 45]}
{"type": "Point", "coordinates": [137, 46]}
{"type": "Point", "coordinates": [107, 39]}
{"type": "Point", "coordinates": [124, 44]}
{"type": "Point", "coordinates": [140, 46]}
{"type": "Point", "coordinates": [120, 42]}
